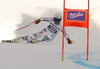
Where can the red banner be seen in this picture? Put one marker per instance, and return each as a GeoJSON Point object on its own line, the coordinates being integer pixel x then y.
{"type": "Point", "coordinates": [76, 18]}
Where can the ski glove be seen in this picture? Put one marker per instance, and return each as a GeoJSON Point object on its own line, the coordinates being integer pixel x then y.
{"type": "Point", "coordinates": [37, 21]}
{"type": "Point", "coordinates": [69, 41]}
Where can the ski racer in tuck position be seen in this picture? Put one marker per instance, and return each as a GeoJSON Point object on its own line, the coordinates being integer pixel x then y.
{"type": "Point", "coordinates": [47, 34]}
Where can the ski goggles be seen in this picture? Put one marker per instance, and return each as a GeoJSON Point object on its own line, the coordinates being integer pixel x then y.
{"type": "Point", "coordinates": [56, 19]}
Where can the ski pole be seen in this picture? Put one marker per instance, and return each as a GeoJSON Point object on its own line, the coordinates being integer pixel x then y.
{"type": "Point", "coordinates": [24, 26]}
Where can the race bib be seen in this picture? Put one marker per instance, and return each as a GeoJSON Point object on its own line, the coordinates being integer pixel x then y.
{"type": "Point", "coordinates": [52, 29]}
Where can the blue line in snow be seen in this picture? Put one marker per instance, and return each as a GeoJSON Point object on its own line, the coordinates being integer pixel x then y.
{"type": "Point", "coordinates": [79, 60]}
{"type": "Point", "coordinates": [86, 65]}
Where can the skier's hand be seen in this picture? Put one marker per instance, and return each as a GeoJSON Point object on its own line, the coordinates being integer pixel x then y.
{"type": "Point", "coordinates": [69, 41]}
{"type": "Point", "coordinates": [36, 21]}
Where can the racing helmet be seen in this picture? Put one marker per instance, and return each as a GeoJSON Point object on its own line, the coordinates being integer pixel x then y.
{"type": "Point", "coordinates": [57, 17]}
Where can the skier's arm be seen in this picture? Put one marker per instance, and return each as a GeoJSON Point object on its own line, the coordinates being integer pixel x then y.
{"type": "Point", "coordinates": [66, 36]}
{"type": "Point", "coordinates": [43, 19]}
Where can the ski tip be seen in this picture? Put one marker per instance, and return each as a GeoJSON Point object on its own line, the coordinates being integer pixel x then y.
{"type": "Point", "coordinates": [6, 41]}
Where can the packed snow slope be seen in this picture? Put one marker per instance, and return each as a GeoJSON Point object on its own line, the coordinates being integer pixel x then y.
{"type": "Point", "coordinates": [47, 56]}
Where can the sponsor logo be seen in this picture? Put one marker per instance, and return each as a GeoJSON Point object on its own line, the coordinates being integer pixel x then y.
{"type": "Point", "coordinates": [76, 15]}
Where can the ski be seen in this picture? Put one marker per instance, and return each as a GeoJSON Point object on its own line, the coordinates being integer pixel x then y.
{"type": "Point", "coordinates": [6, 41]}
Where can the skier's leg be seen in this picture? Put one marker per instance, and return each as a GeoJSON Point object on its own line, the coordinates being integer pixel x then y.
{"type": "Point", "coordinates": [37, 37]}
{"type": "Point", "coordinates": [31, 37]}
{"type": "Point", "coordinates": [44, 36]}
{"type": "Point", "coordinates": [26, 38]}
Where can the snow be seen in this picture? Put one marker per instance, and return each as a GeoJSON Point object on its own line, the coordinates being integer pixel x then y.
{"type": "Point", "coordinates": [46, 56]}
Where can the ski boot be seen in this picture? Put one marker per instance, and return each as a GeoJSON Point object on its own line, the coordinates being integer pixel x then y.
{"type": "Point", "coordinates": [34, 40]}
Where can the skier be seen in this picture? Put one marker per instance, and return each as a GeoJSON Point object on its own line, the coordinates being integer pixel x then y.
{"type": "Point", "coordinates": [47, 34]}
